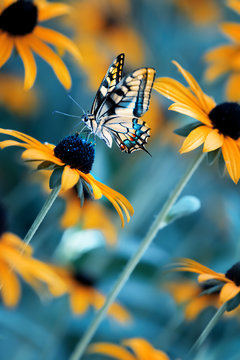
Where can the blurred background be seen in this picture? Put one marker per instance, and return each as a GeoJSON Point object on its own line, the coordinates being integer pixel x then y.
{"type": "Point", "coordinates": [150, 33]}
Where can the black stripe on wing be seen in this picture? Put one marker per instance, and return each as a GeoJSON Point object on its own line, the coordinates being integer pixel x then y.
{"type": "Point", "coordinates": [111, 79]}
{"type": "Point", "coordinates": [131, 96]}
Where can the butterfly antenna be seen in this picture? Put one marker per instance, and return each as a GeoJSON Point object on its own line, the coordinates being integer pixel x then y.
{"type": "Point", "coordinates": [76, 103]}
{"type": "Point", "coordinates": [65, 114]}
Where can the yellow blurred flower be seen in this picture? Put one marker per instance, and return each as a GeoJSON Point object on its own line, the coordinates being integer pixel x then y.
{"type": "Point", "coordinates": [142, 350]}
{"type": "Point", "coordinates": [226, 58]}
{"type": "Point", "coordinates": [71, 160]}
{"type": "Point", "coordinates": [20, 29]}
{"type": "Point", "coordinates": [104, 29]}
{"type": "Point", "coordinates": [201, 12]}
{"type": "Point", "coordinates": [82, 295]}
{"type": "Point", "coordinates": [13, 97]}
{"type": "Point", "coordinates": [217, 126]}
{"type": "Point", "coordinates": [16, 259]}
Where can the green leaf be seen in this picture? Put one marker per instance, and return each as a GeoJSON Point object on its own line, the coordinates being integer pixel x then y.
{"type": "Point", "coordinates": [184, 207]}
{"type": "Point", "coordinates": [213, 155]}
{"type": "Point", "coordinates": [88, 189]}
{"type": "Point", "coordinates": [212, 290]}
{"type": "Point", "coordinates": [80, 191]}
{"type": "Point", "coordinates": [186, 129]}
{"type": "Point", "coordinates": [221, 165]}
{"type": "Point", "coordinates": [56, 178]}
{"type": "Point", "coordinates": [233, 303]}
{"type": "Point", "coordinates": [46, 165]}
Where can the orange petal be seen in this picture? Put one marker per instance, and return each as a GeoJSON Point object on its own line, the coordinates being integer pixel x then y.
{"type": "Point", "coordinates": [234, 4]}
{"type": "Point", "coordinates": [228, 292]}
{"type": "Point", "coordinates": [97, 193]}
{"type": "Point", "coordinates": [38, 155]}
{"type": "Point", "coordinates": [144, 350]}
{"type": "Point", "coordinates": [196, 306]}
{"type": "Point", "coordinates": [233, 88]}
{"type": "Point", "coordinates": [49, 11]}
{"type": "Point", "coordinates": [216, 70]}
{"type": "Point", "coordinates": [195, 113]}
{"type": "Point", "coordinates": [220, 54]}
{"type": "Point", "coordinates": [52, 59]}
{"type": "Point", "coordinates": [213, 141]}
{"type": "Point", "coordinates": [184, 264]}
{"type": "Point", "coordinates": [232, 30]}
{"type": "Point", "coordinates": [6, 48]}
{"type": "Point", "coordinates": [231, 155]}
{"type": "Point", "coordinates": [28, 62]}
{"type": "Point", "coordinates": [9, 284]}
{"type": "Point", "coordinates": [195, 139]}
{"type": "Point", "coordinates": [59, 40]}
{"type": "Point", "coordinates": [73, 211]}
{"type": "Point", "coordinates": [114, 351]}
{"type": "Point", "coordinates": [79, 300]}
{"type": "Point", "coordinates": [70, 178]}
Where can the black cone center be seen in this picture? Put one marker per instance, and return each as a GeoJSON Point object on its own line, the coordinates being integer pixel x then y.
{"type": "Point", "coordinates": [226, 118]}
{"type": "Point", "coordinates": [234, 273]}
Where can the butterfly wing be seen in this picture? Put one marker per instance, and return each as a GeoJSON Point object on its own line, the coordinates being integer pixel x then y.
{"type": "Point", "coordinates": [111, 79]}
{"type": "Point", "coordinates": [119, 113]}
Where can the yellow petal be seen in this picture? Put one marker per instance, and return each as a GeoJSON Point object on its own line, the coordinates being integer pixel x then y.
{"type": "Point", "coordinates": [59, 40]}
{"type": "Point", "coordinates": [234, 4]}
{"type": "Point", "coordinates": [28, 62]}
{"type": "Point", "coordinates": [144, 350]}
{"type": "Point", "coordinates": [50, 11]}
{"type": "Point", "coordinates": [114, 351]}
{"type": "Point", "coordinates": [97, 193]}
{"type": "Point", "coordinates": [79, 300]}
{"type": "Point", "coordinates": [9, 284]}
{"type": "Point", "coordinates": [73, 210]}
{"type": "Point", "coordinates": [52, 59]}
{"type": "Point", "coordinates": [232, 30]}
{"type": "Point", "coordinates": [213, 141]}
{"type": "Point", "coordinates": [233, 88]}
{"type": "Point", "coordinates": [216, 70]}
{"type": "Point", "coordinates": [195, 113]}
{"type": "Point", "coordinates": [196, 306]}
{"type": "Point", "coordinates": [6, 48]}
{"type": "Point", "coordinates": [220, 54]}
{"type": "Point", "coordinates": [184, 264]}
{"type": "Point", "coordinates": [228, 292]}
{"type": "Point", "coordinates": [70, 178]}
{"type": "Point", "coordinates": [195, 139]}
{"type": "Point", "coordinates": [231, 157]}
{"type": "Point", "coordinates": [38, 155]}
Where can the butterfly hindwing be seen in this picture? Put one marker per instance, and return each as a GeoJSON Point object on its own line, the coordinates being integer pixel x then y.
{"type": "Point", "coordinates": [110, 80]}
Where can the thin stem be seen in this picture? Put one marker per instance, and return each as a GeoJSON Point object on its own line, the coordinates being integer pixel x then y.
{"type": "Point", "coordinates": [41, 215]}
{"type": "Point", "coordinates": [208, 328]}
{"type": "Point", "coordinates": [158, 222]}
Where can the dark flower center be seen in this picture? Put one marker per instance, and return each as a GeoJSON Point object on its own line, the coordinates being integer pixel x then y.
{"type": "Point", "coordinates": [20, 18]}
{"type": "Point", "coordinates": [3, 220]}
{"type": "Point", "coordinates": [76, 152]}
{"type": "Point", "coordinates": [226, 118]}
{"type": "Point", "coordinates": [84, 279]}
{"type": "Point", "coordinates": [234, 273]}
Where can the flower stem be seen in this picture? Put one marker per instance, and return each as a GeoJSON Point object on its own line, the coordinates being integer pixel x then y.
{"type": "Point", "coordinates": [156, 225]}
{"type": "Point", "coordinates": [41, 215]}
{"type": "Point", "coordinates": [208, 328]}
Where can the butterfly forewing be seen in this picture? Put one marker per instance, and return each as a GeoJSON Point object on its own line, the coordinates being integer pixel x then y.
{"type": "Point", "coordinates": [110, 80]}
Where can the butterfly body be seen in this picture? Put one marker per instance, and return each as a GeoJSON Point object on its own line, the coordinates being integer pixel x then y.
{"type": "Point", "coordinates": [118, 106]}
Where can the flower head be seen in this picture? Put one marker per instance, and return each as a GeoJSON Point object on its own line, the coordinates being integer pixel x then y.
{"type": "Point", "coordinates": [83, 295]}
{"type": "Point", "coordinates": [217, 126]}
{"type": "Point", "coordinates": [141, 348]}
{"type": "Point", "coordinates": [70, 163]}
{"type": "Point", "coordinates": [20, 29]}
{"type": "Point", "coordinates": [225, 58]}
{"type": "Point", "coordinates": [227, 285]}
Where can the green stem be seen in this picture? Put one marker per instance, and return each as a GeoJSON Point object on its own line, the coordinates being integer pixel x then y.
{"type": "Point", "coordinates": [208, 328]}
{"type": "Point", "coordinates": [157, 224]}
{"type": "Point", "coordinates": [43, 212]}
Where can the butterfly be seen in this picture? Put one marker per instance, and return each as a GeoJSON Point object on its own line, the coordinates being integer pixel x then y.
{"type": "Point", "coordinates": [118, 105]}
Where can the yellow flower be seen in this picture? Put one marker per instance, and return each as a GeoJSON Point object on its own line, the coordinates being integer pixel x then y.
{"type": "Point", "coordinates": [141, 348]}
{"type": "Point", "coordinates": [218, 126]}
{"type": "Point", "coordinates": [16, 258]}
{"type": "Point", "coordinates": [109, 32]}
{"type": "Point", "coordinates": [82, 295]}
{"type": "Point", "coordinates": [201, 12]}
{"type": "Point", "coordinates": [225, 58]}
{"type": "Point", "coordinates": [188, 293]}
{"type": "Point", "coordinates": [71, 161]}
{"type": "Point", "coordinates": [20, 29]}
{"type": "Point", "coordinates": [13, 97]}
{"type": "Point", "coordinates": [91, 215]}
{"type": "Point", "coordinates": [228, 284]}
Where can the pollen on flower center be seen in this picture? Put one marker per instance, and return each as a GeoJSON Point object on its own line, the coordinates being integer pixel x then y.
{"type": "Point", "coordinates": [234, 273]}
{"type": "Point", "coordinates": [226, 118]}
{"type": "Point", "coordinates": [20, 18]}
{"type": "Point", "coordinates": [76, 152]}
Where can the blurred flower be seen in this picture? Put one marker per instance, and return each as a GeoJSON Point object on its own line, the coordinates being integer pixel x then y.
{"type": "Point", "coordinates": [225, 59]}
{"type": "Point", "coordinates": [91, 215]}
{"type": "Point", "coordinates": [218, 126]}
{"type": "Point", "coordinates": [82, 295]}
{"type": "Point", "coordinates": [227, 284]}
{"type": "Point", "coordinates": [13, 97]}
{"type": "Point", "coordinates": [16, 258]}
{"type": "Point", "coordinates": [188, 293]}
{"type": "Point", "coordinates": [142, 349]}
{"type": "Point", "coordinates": [201, 12]}
{"type": "Point", "coordinates": [19, 28]}
{"type": "Point", "coordinates": [109, 32]}
{"type": "Point", "coordinates": [71, 162]}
